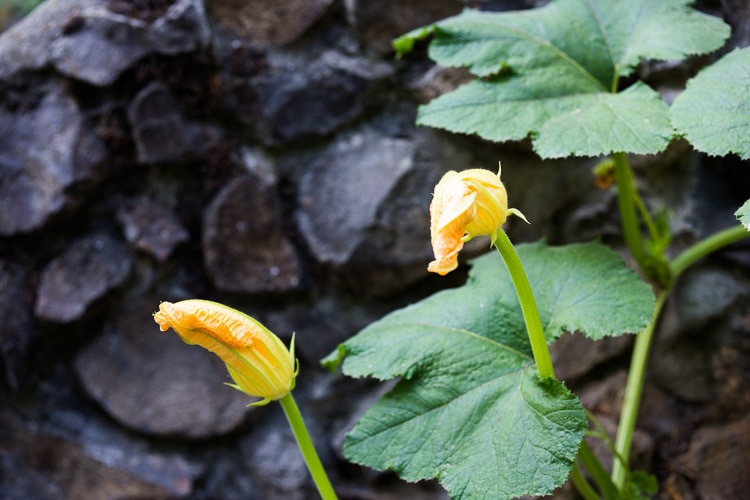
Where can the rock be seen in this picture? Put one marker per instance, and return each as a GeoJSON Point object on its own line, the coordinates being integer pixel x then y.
{"type": "Point", "coordinates": [364, 208]}
{"type": "Point", "coordinates": [85, 273]}
{"type": "Point", "coordinates": [574, 355]}
{"type": "Point", "coordinates": [378, 23]}
{"type": "Point", "coordinates": [717, 460]}
{"type": "Point", "coordinates": [96, 46]}
{"type": "Point", "coordinates": [436, 81]}
{"type": "Point", "coordinates": [49, 157]}
{"type": "Point", "coordinates": [17, 329]}
{"type": "Point", "coordinates": [84, 40]}
{"type": "Point", "coordinates": [153, 383]}
{"type": "Point", "coordinates": [274, 461]}
{"type": "Point", "coordinates": [151, 227]}
{"type": "Point", "coordinates": [339, 198]}
{"type": "Point", "coordinates": [705, 294]}
{"type": "Point", "coordinates": [183, 28]}
{"type": "Point", "coordinates": [59, 412]}
{"type": "Point", "coordinates": [692, 330]}
{"type": "Point", "coordinates": [301, 99]}
{"type": "Point", "coordinates": [160, 131]}
{"type": "Point", "coordinates": [684, 368]}
{"type": "Point", "coordinates": [268, 23]}
{"type": "Point", "coordinates": [27, 45]}
{"type": "Point", "coordinates": [38, 466]}
{"type": "Point", "coordinates": [244, 245]}
{"type": "Point", "coordinates": [324, 323]}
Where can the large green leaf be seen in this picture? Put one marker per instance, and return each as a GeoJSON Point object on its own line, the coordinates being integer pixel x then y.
{"type": "Point", "coordinates": [743, 215]}
{"type": "Point", "coordinates": [553, 69]}
{"type": "Point", "coordinates": [470, 409]}
{"type": "Point", "coordinates": [589, 124]}
{"type": "Point", "coordinates": [714, 111]}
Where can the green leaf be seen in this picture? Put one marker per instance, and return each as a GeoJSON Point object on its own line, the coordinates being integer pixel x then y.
{"type": "Point", "coordinates": [714, 110]}
{"type": "Point", "coordinates": [580, 124]}
{"type": "Point", "coordinates": [743, 215]}
{"type": "Point", "coordinates": [470, 409]}
{"type": "Point", "coordinates": [551, 71]}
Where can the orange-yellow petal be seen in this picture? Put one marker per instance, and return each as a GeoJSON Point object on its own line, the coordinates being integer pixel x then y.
{"type": "Point", "coordinates": [451, 210]}
{"type": "Point", "coordinates": [491, 202]}
{"type": "Point", "coordinates": [257, 360]}
{"type": "Point", "coordinates": [465, 204]}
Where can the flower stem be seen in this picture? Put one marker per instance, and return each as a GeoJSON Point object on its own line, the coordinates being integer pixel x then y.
{"type": "Point", "coordinates": [706, 246]}
{"type": "Point", "coordinates": [528, 305]}
{"type": "Point", "coordinates": [306, 447]}
{"type": "Point", "coordinates": [632, 399]}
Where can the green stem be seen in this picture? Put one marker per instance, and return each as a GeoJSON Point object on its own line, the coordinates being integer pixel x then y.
{"type": "Point", "coordinates": [626, 201]}
{"type": "Point", "coordinates": [632, 399]}
{"type": "Point", "coordinates": [646, 216]}
{"type": "Point", "coordinates": [583, 486]}
{"type": "Point", "coordinates": [528, 305]}
{"type": "Point", "coordinates": [306, 447]}
{"type": "Point", "coordinates": [598, 473]}
{"type": "Point", "coordinates": [707, 246]}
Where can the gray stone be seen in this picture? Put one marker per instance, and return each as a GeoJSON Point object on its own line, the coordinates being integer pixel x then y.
{"type": "Point", "coordinates": [268, 23]}
{"type": "Point", "coordinates": [378, 23]}
{"type": "Point", "coordinates": [67, 424]}
{"type": "Point", "coordinates": [151, 227]}
{"type": "Point", "coordinates": [364, 208]}
{"type": "Point", "coordinates": [85, 40]}
{"type": "Point", "coordinates": [322, 324]}
{"type": "Point", "coordinates": [153, 383]}
{"type": "Point", "coordinates": [705, 294]}
{"type": "Point", "coordinates": [244, 245]}
{"type": "Point", "coordinates": [27, 45]}
{"type": "Point", "coordinates": [339, 198]}
{"type": "Point", "coordinates": [183, 28]}
{"type": "Point", "coordinates": [717, 460]}
{"type": "Point", "coordinates": [301, 99]}
{"type": "Point", "coordinates": [42, 466]}
{"type": "Point", "coordinates": [45, 154]}
{"type": "Point", "coordinates": [17, 330]}
{"type": "Point", "coordinates": [574, 355]}
{"type": "Point", "coordinates": [97, 46]}
{"type": "Point", "coordinates": [160, 131]}
{"type": "Point", "coordinates": [82, 275]}
{"type": "Point", "coordinates": [274, 460]}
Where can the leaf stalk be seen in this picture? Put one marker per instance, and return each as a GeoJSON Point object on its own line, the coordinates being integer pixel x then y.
{"type": "Point", "coordinates": [707, 246]}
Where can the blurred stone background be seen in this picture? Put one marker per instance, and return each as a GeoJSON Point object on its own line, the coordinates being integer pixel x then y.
{"type": "Point", "coordinates": [264, 154]}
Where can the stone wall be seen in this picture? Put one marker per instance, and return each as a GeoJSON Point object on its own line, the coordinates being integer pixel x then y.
{"type": "Point", "coordinates": [264, 154]}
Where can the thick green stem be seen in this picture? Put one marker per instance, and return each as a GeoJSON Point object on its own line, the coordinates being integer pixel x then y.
{"type": "Point", "coordinates": [528, 305]}
{"type": "Point", "coordinates": [636, 375]}
{"type": "Point", "coordinates": [707, 246]}
{"type": "Point", "coordinates": [632, 399]}
{"type": "Point", "coordinates": [306, 447]}
{"type": "Point", "coordinates": [626, 201]}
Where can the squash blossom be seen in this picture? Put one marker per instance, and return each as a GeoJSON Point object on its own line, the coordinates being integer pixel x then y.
{"type": "Point", "coordinates": [465, 204]}
{"type": "Point", "coordinates": [257, 360]}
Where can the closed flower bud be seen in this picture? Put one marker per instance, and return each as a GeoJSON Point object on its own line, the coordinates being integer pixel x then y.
{"type": "Point", "coordinates": [257, 360]}
{"type": "Point", "coordinates": [465, 204]}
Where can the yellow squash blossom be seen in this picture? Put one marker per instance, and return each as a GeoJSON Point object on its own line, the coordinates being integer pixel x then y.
{"type": "Point", "coordinates": [465, 204]}
{"type": "Point", "coordinates": [257, 360]}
